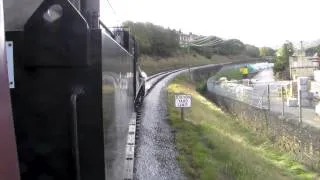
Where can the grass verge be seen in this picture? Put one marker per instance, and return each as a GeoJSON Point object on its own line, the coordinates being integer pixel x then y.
{"type": "Point", "coordinates": [233, 73]}
{"type": "Point", "coordinates": [213, 145]}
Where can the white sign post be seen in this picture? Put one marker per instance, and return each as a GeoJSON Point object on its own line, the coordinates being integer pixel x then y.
{"type": "Point", "coordinates": [182, 101]}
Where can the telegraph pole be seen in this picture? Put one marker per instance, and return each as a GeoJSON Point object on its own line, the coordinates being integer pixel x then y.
{"type": "Point", "coordinates": [188, 45]}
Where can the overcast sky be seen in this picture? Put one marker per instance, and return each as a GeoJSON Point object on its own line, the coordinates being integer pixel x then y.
{"type": "Point", "coordinates": [257, 22]}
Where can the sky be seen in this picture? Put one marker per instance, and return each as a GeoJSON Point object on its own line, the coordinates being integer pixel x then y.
{"type": "Point", "coordinates": [257, 22]}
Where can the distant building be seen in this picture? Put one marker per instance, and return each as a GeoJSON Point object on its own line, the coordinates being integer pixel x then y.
{"type": "Point", "coordinates": [302, 65]}
{"type": "Point", "coordinates": [186, 38]}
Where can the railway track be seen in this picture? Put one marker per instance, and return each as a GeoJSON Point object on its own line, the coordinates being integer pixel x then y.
{"type": "Point", "coordinates": [153, 80]}
{"type": "Point", "coordinates": [135, 122]}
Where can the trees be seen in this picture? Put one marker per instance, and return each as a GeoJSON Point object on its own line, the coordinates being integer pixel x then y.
{"type": "Point", "coordinates": [252, 51]}
{"type": "Point", "coordinates": [164, 42]}
{"type": "Point", "coordinates": [284, 53]}
{"type": "Point", "coordinates": [289, 48]}
{"type": "Point", "coordinates": [281, 64]}
{"type": "Point", "coordinates": [312, 50]}
{"type": "Point", "coordinates": [153, 39]}
{"type": "Point", "coordinates": [230, 47]}
{"type": "Point", "coordinates": [266, 51]}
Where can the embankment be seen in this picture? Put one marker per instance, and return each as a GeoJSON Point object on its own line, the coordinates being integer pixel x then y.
{"type": "Point", "coordinates": [153, 65]}
{"type": "Point", "coordinates": [300, 140]}
{"type": "Point", "coordinates": [214, 145]}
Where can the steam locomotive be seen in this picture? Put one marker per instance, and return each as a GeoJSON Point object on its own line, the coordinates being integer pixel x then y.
{"type": "Point", "coordinates": [76, 85]}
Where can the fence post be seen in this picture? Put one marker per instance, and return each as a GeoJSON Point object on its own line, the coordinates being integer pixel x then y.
{"type": "Point", "coordinates": [268, 96]}
{"type": "Point", "coordinates": [282, 97]}
{"type": "Point", "coordinates": [269, 109]}
{"type": "Point", "coordinates": [300, 107]}
{"type": "Point", "coordinates": [182, 114]}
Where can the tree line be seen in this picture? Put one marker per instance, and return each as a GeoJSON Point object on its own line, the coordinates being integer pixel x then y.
{"type": "Point", "coordinates": [281, 62]}
{"type": "Point", "coordinates": [156, 40]}
{"type": "Point", "coordinates": [313, 50]}
{"type": "Point", "coordinates": [153, 39]}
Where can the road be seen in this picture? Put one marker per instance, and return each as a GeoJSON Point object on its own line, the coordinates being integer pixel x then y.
{"type": "Point", "coordinates": [264, 78]}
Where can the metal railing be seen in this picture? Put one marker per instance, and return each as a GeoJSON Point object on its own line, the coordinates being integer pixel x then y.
{"type": "Point", "coordinates": [239, 92]}
{"type": "Point", "coordinates": [275, 97]}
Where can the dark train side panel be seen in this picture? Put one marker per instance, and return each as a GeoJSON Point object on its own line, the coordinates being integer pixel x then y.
{"type": "Point", "coordinates": [117, 67]}
{"type": "Point", "coordinates": [72, 98]}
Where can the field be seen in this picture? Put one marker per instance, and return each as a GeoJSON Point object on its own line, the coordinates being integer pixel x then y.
{"type": "Point", "coordinates": [214, 145]}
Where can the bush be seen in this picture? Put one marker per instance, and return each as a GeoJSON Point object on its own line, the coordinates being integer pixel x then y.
{"type": "Point", "coordinates": [155, 40]}
{"type": "Point", "coordinates": [208, 56]}
{"type": "Point", "coordinates": [278, 67]}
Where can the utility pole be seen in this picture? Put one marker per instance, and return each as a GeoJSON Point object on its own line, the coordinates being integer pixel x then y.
{"type": "Point", "coordinates": [301, 46]}
{"type": "Point", "coordinates": [188, 45]}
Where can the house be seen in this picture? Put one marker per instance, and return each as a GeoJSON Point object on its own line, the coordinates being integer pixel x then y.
{"type": "Point", "coordinates": [186, 38]}
{"type": "Point", "coordinates": [302, 65]}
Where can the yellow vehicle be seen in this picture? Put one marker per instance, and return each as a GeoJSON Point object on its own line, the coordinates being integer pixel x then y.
{"type": "Point", "coordinates": [244, 71]}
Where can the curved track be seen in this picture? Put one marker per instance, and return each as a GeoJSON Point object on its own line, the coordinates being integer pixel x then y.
{"type": "Point", "coordinates": [154, 148]}
{"type": "Point", "coordinates": [156, 78]}
{"type": "Point", "coordinates": [136, 122]}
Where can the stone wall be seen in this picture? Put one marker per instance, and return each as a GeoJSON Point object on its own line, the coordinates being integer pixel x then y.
{"type": "Point", "coordinates": [205, 73]}
{"type": "Point", "coordinates": [300, 140]}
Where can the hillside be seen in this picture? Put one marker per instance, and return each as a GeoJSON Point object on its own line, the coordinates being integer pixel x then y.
{"type": "Point", "coordinates": [212, 144]}
{"type": "Point", "coordinates": [155, 64]}
{"type": "Point", "coordinates": [163, 49]}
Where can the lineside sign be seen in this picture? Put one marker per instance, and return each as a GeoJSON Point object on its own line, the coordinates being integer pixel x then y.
{"type": "Point", "coordinates": [183, 100]}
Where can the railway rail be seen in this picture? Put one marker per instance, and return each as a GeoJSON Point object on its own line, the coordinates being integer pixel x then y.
{"type": "Point", "coordinates": [135, 122]}
{"type": "Point", "coordinates": [153, 80]}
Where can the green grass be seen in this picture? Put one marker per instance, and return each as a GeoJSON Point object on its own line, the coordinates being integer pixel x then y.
{"type": "Point", "coordinates": [213, 145]}
{"type": "Point", "coordinates": [233, 73]}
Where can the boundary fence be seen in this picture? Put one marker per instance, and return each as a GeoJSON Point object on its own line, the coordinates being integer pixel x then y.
{"type": "Point", "coordinates": [262, 111]}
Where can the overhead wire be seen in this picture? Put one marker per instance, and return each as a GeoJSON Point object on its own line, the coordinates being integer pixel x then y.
{"type": "Point", "coordinates": [212, 43]}
{"type": "Point", "coordinates": [200, 40]}
{"type": "Point", "coordinates": [207, 43]}
{"type": "Point", "coordinates": [203, 41]}
{"type": "Point", "coordinates": [114, 12]}
{"type": "Point", "coordinates": [204, 38]}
